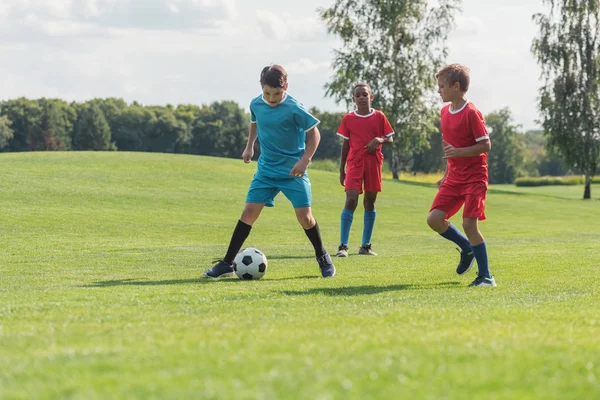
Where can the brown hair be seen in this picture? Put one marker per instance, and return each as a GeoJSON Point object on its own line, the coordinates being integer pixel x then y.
{"type": "Point", "coordinates": [455, 73]}
{"type": "Point", "coordinates": [274, 76]}
{"type": "Point", "coordinates": [362, 84]}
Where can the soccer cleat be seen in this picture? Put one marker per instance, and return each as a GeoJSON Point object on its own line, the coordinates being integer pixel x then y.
{"type": "Point", "coordinates": [342, 251]}
{"type": "Point", "coordinates": [484, 281]}
{"type": "Point", "coordinates": [365, 250]}
{"type": "Point", "coordinates": [221, 269]}
{"type": "Point", "coordinates": [467, 259]}
{"type": "Point", "coordinates": [326, 266]}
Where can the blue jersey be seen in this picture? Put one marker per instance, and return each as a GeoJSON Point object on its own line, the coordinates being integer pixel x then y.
{"type": "Point", "coordinates": [281, 133]}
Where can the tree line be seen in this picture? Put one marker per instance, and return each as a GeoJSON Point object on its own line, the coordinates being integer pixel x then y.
{"type": "Point", "coordinates": [220, 129]}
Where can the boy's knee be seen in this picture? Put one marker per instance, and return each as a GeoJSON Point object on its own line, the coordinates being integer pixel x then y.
{"type": "Point", "coordinates": [306, 220]}
{"type": "Point", "coordinates": [435, 222]}
{"type": "Point", "coordinates": [351, 203]}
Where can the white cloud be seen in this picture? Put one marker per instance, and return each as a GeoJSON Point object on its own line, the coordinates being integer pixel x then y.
{"type": "Point", "coordinates": [284, 26]}
{"type": "Point", "coordinates": [305, 66]}
{"type": "Point", "coordinates": [468, 25]}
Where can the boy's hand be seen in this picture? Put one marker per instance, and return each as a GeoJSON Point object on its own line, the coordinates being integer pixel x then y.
{"type": "Point", "coordinates": [441, 181]}
{"type": "Point", "coordinates": [373, 145]}
{"type": "Point", "coordinates": [300, 168]}
{"type": "Point", "coordinates": [342, 177]}
{"type": "Point", "coordinates": [247, 155]}
{"type": "Point", "coordinates": [451, 151]}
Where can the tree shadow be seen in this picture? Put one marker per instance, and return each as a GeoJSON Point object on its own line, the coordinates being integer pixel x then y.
{"type": "Point", "coordinates": [367, 290]}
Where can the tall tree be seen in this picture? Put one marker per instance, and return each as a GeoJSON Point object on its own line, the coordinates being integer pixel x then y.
{"type": "Point", "coordinates": [397, 46]}
{"type": "Point", "coordinates": [91, 131]}
{"type": "Point", "coordinates": [5, 132]}
{"type": "Point", "coordinates": [568, 49]}
{"type": "Point", "coordinates": [507, 158]}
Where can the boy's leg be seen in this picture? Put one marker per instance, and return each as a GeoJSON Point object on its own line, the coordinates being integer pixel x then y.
{"type": "Point", "coordinates": [369, 222]}
{"type": "Point", "coordinates": [312, 231]}
{"type": "Point", "coordinates": [240, 234]}
{"type": "Point", "coordinates": [473, 212]}
{"type": "Point", "coordinates": [447, 202]}
{"type": "Point", "coordinates": [346, 221]}
{"type": "Point", "coordinates": [298, 191]}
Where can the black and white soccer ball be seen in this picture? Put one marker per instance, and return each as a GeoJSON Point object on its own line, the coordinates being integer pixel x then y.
{"type": "Point", "coordinates": [250, 264]}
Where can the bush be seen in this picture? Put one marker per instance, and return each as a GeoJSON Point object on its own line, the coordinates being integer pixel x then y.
{"type": "Point", "coordinates": [553, 180]}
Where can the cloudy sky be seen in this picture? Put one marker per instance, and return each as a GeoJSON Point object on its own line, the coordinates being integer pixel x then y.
{"type": "Point", "coordinates": [198, 51]}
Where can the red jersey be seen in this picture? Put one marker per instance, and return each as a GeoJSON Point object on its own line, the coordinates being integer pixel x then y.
{"type": "Point", "coordinates": [464, 128]}
{"type": "Point", "coordinates": [361, 129]}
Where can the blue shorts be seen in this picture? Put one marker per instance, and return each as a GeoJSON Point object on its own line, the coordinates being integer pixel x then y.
{"type": "Point", "coordinates": [296, 189]}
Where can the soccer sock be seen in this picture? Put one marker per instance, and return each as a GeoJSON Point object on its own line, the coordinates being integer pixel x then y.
{"type": "Point", "coordinates": [369, 219]}
{"type": "Point", "coordinates": [345, 225]}
{"type": "Point", "coordinates": [457, 237]}
{"type": "Point", "coordinates": [314, 235]}
{"type": "Point", "coordinates": [240, 234]}
{"type": "Point", "coordinates": [481, 256]}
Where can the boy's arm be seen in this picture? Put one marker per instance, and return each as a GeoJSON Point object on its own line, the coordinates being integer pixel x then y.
{"type": "Point", "coordinates": [313, 137]}
{"type": "Point", "coordinates": [374, 144]}
{"type": "Point", "coordinates": [343, 159]}
{"type": "Point", "coordinates": [249, 150]}
{"type": "Point", "coordinates": [480, 147]}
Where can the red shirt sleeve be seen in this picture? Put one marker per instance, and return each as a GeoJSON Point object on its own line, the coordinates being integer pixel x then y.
{"type": "Point", "coordinates": [343, 129]}
{"type": "Point", "coordinates": [477, 124]}
{"type": "Point", "coordinates": [387, 127]}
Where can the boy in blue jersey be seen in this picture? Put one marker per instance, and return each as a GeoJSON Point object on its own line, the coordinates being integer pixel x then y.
{"type": "Point", "coordinates": [282, 126]}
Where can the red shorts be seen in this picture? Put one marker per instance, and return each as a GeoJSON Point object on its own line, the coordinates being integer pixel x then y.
{"type": "Point", "coordinates": [365, 170]}
{"type": "Point", "coordinates": [451, 197]}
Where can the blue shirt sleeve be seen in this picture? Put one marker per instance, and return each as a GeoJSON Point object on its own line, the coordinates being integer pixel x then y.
{"type": "Point", "coordinates": [304, 119]}
{"type": "Point", "coordinates": [252, 115]}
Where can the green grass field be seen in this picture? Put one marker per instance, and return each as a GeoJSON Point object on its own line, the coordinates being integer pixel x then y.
{"type": "Point", "coordinates": [102, 295]}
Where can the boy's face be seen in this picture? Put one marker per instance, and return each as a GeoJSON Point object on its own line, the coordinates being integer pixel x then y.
{"type": "Point", "coordinates": [362, 97]}
{"type": "Point", "coordinates": [272, 95]}
{"type": "Point", "coordinates": [448, 92]}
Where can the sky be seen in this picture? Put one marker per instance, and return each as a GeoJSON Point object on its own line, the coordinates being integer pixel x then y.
{"type": "Point", "coordinates": [160, 52]}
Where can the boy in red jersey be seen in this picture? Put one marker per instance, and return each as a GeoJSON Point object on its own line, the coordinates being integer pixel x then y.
{"type": "Point", "coordinates": [466, 144]}
{"type": "Point", "coordinates": [364, 131]}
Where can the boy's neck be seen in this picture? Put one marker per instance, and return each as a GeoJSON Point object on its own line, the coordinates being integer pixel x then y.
{"type": "Point", "coordinates": [363, 111]}
{"type": "Point", "coordinates": [458, 103]}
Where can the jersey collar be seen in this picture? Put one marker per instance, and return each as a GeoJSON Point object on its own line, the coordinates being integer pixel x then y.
{"type": "Point", "coordinates": [457, 111]}
{"type": "Point", "coordinates": [284, 98]}
{"type": "Point", "coordinates": [365, 116]}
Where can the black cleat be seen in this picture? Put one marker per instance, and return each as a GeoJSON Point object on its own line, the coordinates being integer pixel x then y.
{"type": "Point", "coordinates": [467, 259]}
{"type": "Point", "coordinates": [326, 266]}
{"type": "Point", "coordinates": [221, 269]}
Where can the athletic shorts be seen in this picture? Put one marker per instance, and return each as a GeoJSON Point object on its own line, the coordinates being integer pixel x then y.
{"type": "Point", "coordinates": [264, 189]}
{"type": "Point", "coordinates": [451, 197]}
{"type": "Point", "coordinates": [364, 173]}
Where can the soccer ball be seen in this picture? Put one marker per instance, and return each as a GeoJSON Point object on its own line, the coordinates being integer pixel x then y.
{"type": "Point", "coordinates": [250, 264]}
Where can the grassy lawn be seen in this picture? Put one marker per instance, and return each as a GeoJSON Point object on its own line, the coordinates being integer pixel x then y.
{"type": "Point", "coordinates": [102, 295]}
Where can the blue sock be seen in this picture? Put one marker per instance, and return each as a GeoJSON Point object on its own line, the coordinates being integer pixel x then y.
{"type": "Point", "coordinates": [345, 225]}
{"type": "Point", "coordinates": [457, 237]}
{"type": "Point", "coordinates": [481, 256]}
{"type": "Point", "coordinates": [368, 228]}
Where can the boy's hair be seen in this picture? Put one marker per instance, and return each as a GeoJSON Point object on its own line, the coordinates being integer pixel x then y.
{"type": "Point", "coordinates": [274, 76]}
{"type": "Point", "coordinates": [362, 84]}
{"type": "Point", "coordinates": [455, 73]}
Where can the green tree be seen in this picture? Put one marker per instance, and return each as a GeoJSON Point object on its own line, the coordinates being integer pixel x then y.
{"type": "Point", "coordinates": [506, 158]}
{"type": "Point", "coordinates": [54, 129]}
{"type": "Point", "coordinates": [567, 49]}
{"type": "Point", "coordinates": [397, 46]}
{"type": "Point", "coordinates": [330, 146]}
{"type": "Point", "coordinates": [24, 115]}
{"type": "Point", "coordinates": [6, 134]}
{"type": "Point", "coordinates": [91, 131]}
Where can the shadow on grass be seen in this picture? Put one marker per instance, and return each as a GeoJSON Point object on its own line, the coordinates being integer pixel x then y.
{"type": "Point", "coordinates": [280, 257]}
{"type": "Point", "coordinates": [135, 282]}
{"type": "Point", "coordinates": [365, 290]}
